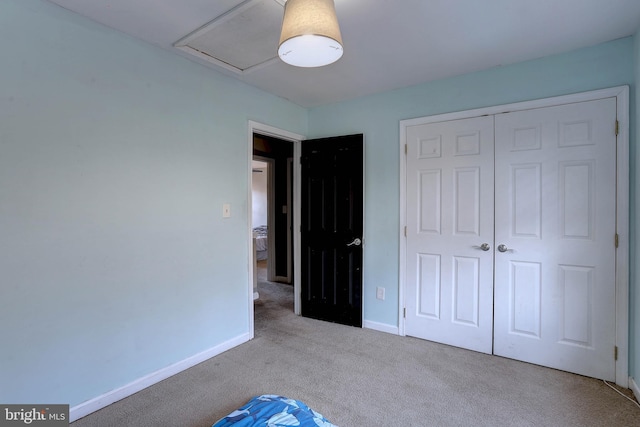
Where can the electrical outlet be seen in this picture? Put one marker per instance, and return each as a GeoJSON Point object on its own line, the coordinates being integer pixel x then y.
{"type": "Point", "coordinates": [380, 293]}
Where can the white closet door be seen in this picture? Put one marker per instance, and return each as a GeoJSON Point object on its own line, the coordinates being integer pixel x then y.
{"type": "Point", "coordinates": [555, 215]}
{"type": "Point", "coordinates": [449, 218]}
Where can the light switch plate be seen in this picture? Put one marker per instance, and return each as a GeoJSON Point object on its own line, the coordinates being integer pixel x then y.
{"type": "Point", "coordinates": [226, 210]}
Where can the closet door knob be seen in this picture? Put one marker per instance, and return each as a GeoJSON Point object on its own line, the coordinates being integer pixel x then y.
{"type": "Point", "coordinates": [503, 248]}
{"type": "Point", "coordinates": [485, 247]}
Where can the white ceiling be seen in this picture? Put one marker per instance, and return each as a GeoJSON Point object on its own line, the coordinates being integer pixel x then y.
{"type": "Point", "coordinates": [388, 44]}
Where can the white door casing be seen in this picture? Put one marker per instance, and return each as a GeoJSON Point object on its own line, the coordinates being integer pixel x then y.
{"type": "Point", "coordinates": [571, 271]}
{"type": "Point", "coordinates": [450, 232]}
{"type": "Point", "coordinates": [555, 217]}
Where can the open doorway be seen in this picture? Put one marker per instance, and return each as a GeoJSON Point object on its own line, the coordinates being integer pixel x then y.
{"type": "Point", "coordinates": [272, 209]}
{"type": "Point", "coordinates": [265, 141]}
{"type": "Point", "coordinates": [273, 143]}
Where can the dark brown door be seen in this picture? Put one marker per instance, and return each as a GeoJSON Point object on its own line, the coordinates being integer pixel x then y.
{"type": "Point", "coordinates": [331, 229]}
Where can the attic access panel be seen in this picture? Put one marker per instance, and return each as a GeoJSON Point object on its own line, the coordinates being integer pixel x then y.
{"type": "Point", "coordinates": [242, 39]}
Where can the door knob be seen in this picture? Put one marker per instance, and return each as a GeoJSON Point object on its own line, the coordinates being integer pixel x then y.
{"type": "Point", "coordinates": [503, 248]}
{"type": "Point", "coordinates": [356, 242]}
{"type": "Point", "coordinates": [485, 247]}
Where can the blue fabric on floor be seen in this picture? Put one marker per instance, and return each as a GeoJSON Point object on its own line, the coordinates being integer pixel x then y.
{"type": "Point", "coordinates": [270, 410]}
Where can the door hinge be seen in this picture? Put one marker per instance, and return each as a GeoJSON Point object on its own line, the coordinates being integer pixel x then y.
{"type": "Point", "coordinates": [617, 239]}
{"type": "Point", "coordinates": [405, 148]}
{"type": "Point", "coordinates": [405, 231]}
{"type": "Point", "coordinates": [615, 352]}
{"type": "Point", "coordinates": [617, 127]}
{"type": "Point", "coordinates": [404, 312]}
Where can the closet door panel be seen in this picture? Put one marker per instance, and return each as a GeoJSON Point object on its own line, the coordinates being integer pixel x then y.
{"type": "Point", "coordinates": [449, 217]}
{"type": "Point", "coordinates": [555, 210]}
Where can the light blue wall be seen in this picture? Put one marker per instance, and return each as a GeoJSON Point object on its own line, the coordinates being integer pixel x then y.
{"type": "Point", "coordinates": [115, 160]}
{"type": "Point", "coordinates": [378, 117]}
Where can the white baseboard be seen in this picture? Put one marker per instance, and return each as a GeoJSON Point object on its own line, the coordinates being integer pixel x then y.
{"type": "Point", "coordinates": [634, 388]}
{"type": "Point", "coordinates": [382, 327]}
{"type": "Point", "coordinates": [107, 399]}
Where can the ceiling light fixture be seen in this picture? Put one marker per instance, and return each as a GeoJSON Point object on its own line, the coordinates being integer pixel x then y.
{"type": "Point", "coordinates": [310, 34]}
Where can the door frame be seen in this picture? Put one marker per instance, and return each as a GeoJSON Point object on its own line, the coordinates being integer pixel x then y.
{"type": "Point", "coordinates": [264, 129]}
{"type": "Point", "coordinates": [270, 216]}
{"type": "Point", "coordinates": [271, 219]}
{"type": "Point", "coordinates": [621, 93]}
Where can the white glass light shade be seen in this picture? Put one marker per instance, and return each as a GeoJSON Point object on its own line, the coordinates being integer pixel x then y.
{"type": "Point", "coordinates": [310, 34]}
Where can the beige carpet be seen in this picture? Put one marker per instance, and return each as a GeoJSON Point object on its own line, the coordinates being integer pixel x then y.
{"type": "Point", "coordinates": [359, 377]}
